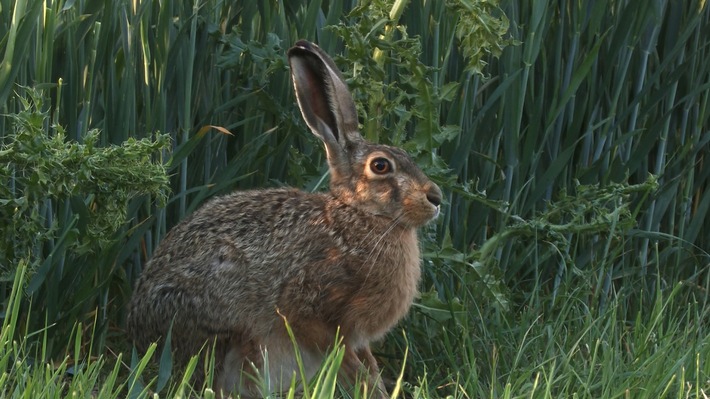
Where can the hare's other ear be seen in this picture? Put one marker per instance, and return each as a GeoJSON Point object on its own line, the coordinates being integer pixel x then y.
{"type": "Point", "coordinates": [325, 102]}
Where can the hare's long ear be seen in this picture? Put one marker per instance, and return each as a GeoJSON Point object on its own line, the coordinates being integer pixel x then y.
{"type": "Point", "coordinates": [326, 104]}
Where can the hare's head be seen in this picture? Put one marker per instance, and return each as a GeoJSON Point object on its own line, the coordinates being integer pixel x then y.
{"type": "Point", "coordinates": [378, 179]}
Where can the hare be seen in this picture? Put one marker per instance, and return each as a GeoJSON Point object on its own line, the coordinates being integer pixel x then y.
{"type": "Point", "coordinates": [232, 273]}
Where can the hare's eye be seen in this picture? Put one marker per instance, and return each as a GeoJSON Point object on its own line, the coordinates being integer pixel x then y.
{"type": "Point", "coordinates": [380, 166]}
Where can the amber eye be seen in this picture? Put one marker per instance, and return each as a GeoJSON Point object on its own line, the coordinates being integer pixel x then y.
{"type": "Point", "coordinates": [380, 166]}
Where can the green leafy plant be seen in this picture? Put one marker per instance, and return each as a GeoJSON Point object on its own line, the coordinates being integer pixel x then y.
{"type": "Point", "coordinates": [64, 202]}
{"type": "Point", "coordinates": [39, 167]}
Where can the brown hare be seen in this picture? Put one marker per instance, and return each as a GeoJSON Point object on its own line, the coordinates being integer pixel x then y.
{"type": "Point", "coordinates": [346, 260]}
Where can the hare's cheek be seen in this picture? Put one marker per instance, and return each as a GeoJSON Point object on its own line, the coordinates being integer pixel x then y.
{"type": "Point", "coordinates": [379, 197]}
{"type": "Point", "coordinates": [379, 191]}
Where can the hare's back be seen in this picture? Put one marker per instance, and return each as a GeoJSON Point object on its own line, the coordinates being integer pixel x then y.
{"type": "Point", "coordinates": [225, 265]}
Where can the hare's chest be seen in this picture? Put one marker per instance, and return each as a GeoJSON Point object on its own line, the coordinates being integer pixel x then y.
{"type": "Point", "coordinates": [390, 297]}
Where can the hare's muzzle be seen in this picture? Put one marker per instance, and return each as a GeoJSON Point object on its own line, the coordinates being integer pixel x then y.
{"type": "Point", "coordinates": [434, 195]}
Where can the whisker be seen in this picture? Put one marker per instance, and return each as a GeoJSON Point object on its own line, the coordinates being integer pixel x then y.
{"type": "Point", "coordinates": [379, 246]}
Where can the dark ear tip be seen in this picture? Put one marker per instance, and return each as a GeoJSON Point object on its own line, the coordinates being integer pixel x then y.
{"type": "Point", "coordinates": [303, 43]}
{"type": "Point", "coordinates": [301, 46]}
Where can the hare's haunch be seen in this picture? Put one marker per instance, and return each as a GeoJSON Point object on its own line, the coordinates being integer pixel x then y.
{"type": "Point", "coordinates": [229, 274]}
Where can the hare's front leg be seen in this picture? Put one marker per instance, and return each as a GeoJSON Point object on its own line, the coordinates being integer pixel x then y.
{"type": "Point", "coordinates": [361, 367]}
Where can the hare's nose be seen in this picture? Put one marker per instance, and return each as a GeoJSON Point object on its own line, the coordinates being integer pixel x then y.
{"type": "Point", "coordinates": [434, 195]}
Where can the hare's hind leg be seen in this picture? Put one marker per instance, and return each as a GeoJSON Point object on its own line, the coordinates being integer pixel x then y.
{"type": "Point", "coordinates": [256, 367]}
{"type": "Point", "coordinates": [236, 368]}
{"type": "Point", "coordinates": [281, 365]}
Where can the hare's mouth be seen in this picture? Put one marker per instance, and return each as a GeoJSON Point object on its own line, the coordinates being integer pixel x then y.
{"type": "Point", "coordinates": [437, 211]}
{"type": "Point", "coordinates": [434, 198]}
{"type": "Point", "coordinates": [417, 213]}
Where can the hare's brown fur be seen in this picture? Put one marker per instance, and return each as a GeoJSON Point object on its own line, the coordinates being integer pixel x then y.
{"type": "Point", "coordinates": [345, 260]}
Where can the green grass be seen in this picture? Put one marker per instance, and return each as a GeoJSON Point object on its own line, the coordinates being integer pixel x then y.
{"type": "Point", "coordinates": [572, 255]}
{"type": "Point", "coordinates": [659, 354]}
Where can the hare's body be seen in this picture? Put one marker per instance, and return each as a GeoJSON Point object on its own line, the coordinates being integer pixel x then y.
{"type": "Point", "coordinates": [346, 260]}
{"type": "Point", "coordinates": [334, 276]}
{"type": "Point", "coordinates": [322, 279]}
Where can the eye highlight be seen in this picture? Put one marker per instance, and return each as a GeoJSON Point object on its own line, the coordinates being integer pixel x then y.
{"type": "Point", "coordinates": [380, 166]}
